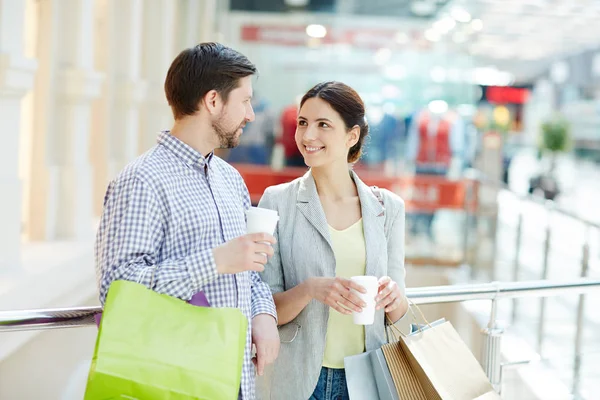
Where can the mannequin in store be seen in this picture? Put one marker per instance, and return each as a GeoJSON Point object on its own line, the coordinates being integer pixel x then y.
{"type": "Point", "coordinates": [384, 149]}
{"type": "Point", "coordinates": [288, 124]}
{"type": "Point", "coordinates": [435, 146]}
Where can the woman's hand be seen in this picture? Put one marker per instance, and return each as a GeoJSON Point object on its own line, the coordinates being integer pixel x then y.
{"type": "Point", "coordinates": [336, 293]}
{"type": "Point", "coordinates": [389, 295]}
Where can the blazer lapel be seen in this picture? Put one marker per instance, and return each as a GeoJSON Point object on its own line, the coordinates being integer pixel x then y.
{"type": "Point", "coordinates": [309, 204]}
{"type": "Point", "coordinates": [373, 214]}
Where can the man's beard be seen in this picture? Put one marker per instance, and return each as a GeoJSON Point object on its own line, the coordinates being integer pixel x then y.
{"type": "Point", "coordinates": [227, 138]}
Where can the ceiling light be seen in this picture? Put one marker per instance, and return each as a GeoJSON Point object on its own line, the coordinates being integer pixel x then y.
{"type": "Point", "coordinates": [296, 3]}
{"type": "Point", "coordinates": [438, 106]}
{"type": "Point", "coordinates": [490, 76]}
{"type": "Point", "coordinates": [460, 14]}
{"type": "Point", "coordinates": [444, 25]}
{"type": "Point", "coordinates": [316, 31]}
{"type": "Point", "coordinates": [423, 8]}
{"type": "Point", "coordinates": [477, 24]}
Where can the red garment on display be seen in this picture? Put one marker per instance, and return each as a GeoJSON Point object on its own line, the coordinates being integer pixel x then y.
{"type": "Point", "coordinates": [434, 149]}
{"type": "Point", "coordinates": [289, 123]}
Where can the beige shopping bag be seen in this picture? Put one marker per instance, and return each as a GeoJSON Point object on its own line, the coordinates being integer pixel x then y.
{"type": "Point", "coordinates": [435, 364]}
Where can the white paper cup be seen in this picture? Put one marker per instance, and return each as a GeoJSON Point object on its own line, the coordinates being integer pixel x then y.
{"type": "Point", "coordinates": [367, 315]}
{"type": "Point", "coordinates": [261, 220]}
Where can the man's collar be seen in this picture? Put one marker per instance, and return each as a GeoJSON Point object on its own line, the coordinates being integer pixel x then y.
{"type": "Point", "coordinates": [183, 151]}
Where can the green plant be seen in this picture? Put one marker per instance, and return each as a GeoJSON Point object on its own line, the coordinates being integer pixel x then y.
{"type": "Point", "coordinates": [555, 138]}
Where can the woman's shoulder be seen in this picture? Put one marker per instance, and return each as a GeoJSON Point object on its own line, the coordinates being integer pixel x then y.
{"type": "Point", "coordinates": [282, 192]}
{"type": "Point", "coordinates": [391, 201]}
{"type": "Point", "coordinates": [283, 188]}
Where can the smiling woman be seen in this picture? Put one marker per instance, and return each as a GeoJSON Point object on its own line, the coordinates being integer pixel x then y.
{"type": "Point", "coordinates": [332, 227]}
{"type": "Point", "coordinates": [331, 122]}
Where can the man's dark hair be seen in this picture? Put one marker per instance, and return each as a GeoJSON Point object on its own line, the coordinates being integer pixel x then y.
{"type": "Point", "coordinates": [200, 69]}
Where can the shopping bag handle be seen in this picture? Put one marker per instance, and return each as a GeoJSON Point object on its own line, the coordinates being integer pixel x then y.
{"type": "Point", "coordinates": [411, 304]}
{"type": "Point", "coordinates": [142, 275]}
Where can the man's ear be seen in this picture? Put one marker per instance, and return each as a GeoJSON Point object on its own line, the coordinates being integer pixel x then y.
{"type": "Point", "coordinates": [212, 102]}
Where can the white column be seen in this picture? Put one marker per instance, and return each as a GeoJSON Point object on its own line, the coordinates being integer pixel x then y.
{"type": "Point", "coordinates": [158, 50]}
{"type": "Point", "coordinates": [68, 140]}
{"type": "Point", "coordinates": [127, 90]}
{"type": "Point", "coordinates": [100, 115]}
{"type": "Point", "coordinates": [189, 21]}
{"type": "Point", "coordinates": [196, 22]}
{"type": "Point", "coordinates": [209, 21]}
{"type": "Point", "coordinates": [16, 79]}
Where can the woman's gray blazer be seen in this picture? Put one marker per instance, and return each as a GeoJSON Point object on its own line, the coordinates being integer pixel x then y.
{"type": "Point", "coordinates": [304, 250]}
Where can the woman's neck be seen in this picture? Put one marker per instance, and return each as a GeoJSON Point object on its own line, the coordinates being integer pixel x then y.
{"type": "Point", "coordinates": [334, 182]}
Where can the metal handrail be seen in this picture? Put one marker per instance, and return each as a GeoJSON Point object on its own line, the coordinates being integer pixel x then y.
{"type": "Point", "coordinates": [54, 318]}
{"type": "Point", "coordinates": [497, 290]}
{"type": "Point", "coordinates": [482, 178]}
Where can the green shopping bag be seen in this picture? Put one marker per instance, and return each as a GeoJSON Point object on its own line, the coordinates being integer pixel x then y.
{"type": "Point", "coordinates": [154, 346]}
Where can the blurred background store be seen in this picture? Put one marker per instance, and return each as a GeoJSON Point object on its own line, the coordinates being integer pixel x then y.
{"type": "Point", "coordinates": [484, 116]}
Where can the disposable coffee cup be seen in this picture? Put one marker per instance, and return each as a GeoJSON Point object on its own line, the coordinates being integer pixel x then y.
{"type": "Point", "coordinates": [367, 315]}
{"type": "Point", "coordinates": [261, 220]}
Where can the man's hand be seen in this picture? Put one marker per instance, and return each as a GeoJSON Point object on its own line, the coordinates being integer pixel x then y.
{"type": "Point", "coordinates": [245, 253]}
{"type": "Point", "coordinates": [265, 337]}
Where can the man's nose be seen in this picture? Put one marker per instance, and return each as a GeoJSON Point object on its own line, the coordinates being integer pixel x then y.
{"type": "Point", "coordinates": [250, 115]}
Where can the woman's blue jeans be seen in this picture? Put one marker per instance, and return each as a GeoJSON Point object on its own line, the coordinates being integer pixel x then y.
{"type": "Point", "coordinates": [331, 385]}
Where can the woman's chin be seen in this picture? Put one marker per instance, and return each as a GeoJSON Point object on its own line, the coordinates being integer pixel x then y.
{"type": "Point", "coordinates": [311, 163]}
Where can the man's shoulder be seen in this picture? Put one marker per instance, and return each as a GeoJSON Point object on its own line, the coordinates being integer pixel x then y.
{"type": "Point", "coordinates": [224, 166]}
{"type": "Point", "coordinates": [228, 171]}
{"type": "Point", "coordinates": [147, 167]}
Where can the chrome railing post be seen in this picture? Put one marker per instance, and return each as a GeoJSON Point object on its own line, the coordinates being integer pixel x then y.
{"type": "Point", "coordinates": [465, 238]}
{"type": "Point", "coordinates": [542, 316]}
{"type": "Point", "coordinates": [517, 265]}
{"type": "Point", "coordinates": [585, 264]}
{"type": "Point", "coordinates": [491, 350]}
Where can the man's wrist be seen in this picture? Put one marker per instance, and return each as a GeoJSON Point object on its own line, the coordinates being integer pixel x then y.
{"type": "Point", "coordinates": [216, 257]}
{"type": "Point", "coordinates": [267, 314]}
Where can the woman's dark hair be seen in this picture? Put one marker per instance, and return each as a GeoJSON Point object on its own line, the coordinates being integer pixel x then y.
{"type": "Point", "coordinates": [200, 69]}
{"type": "Point", "coordinates": [348, 104]}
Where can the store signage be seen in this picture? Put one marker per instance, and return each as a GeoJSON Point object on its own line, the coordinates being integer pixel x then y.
{"type": "Point", "coordinates": [356, 37]}
{"type": "Point", "coordinates": [506, 95]}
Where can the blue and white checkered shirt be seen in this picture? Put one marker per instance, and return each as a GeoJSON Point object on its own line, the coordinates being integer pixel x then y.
{"type": "Point", "coordinates": [168, 209]}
